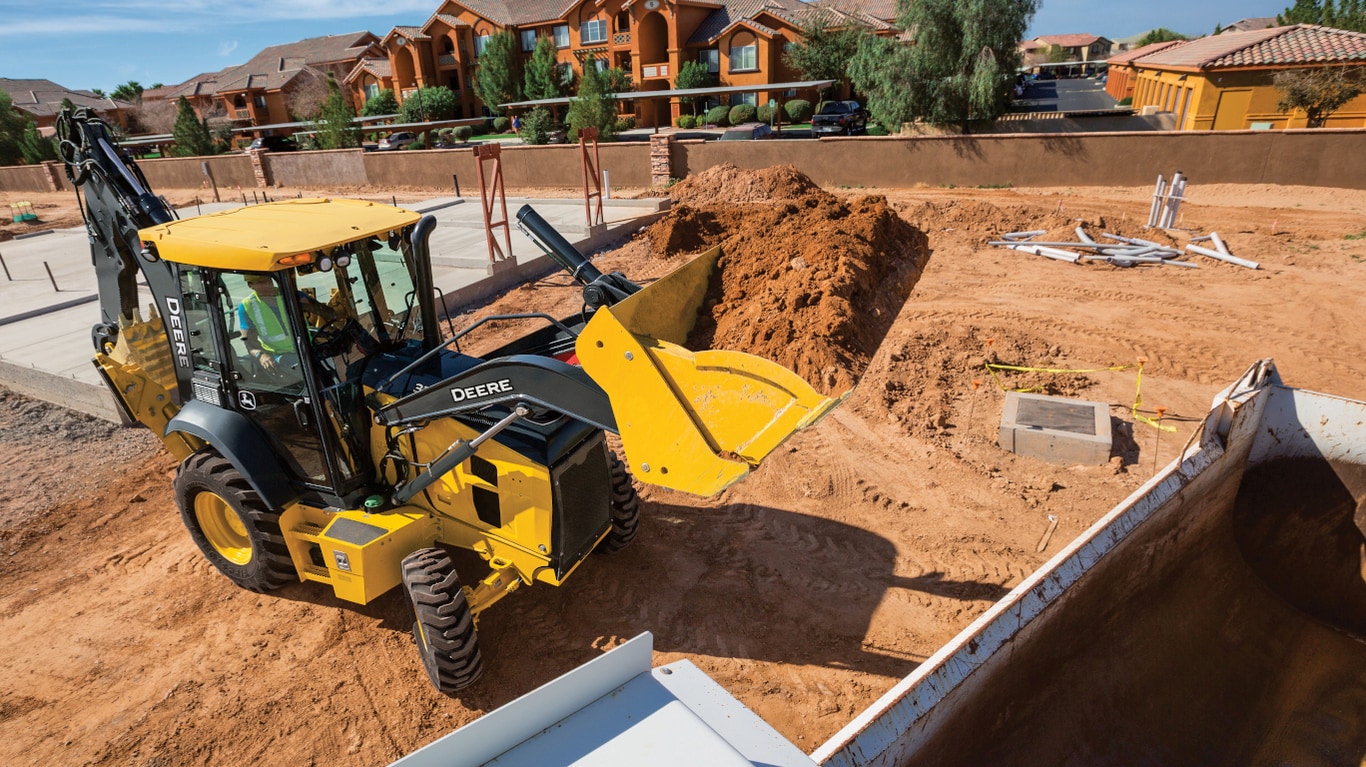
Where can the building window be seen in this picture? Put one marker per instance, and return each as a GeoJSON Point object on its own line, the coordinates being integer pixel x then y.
{"type": "Point", "coordinates": [600, 65]}
{"type": "Point", "coordinates": [710, 58]}
{"type": "Point", "coordinates": [566, 74]}
{"type": "Point", "coordinates": [624, 21]}
{"type": "Point", "coordinates": [528, 39]}
{"type": "Point", "coordinates": [371, 90]}
{"type": "Point", "coordinates": [561, 32]}
{"type": "Point", "coordinates": [594, 31]}
{"type": "Point", "coordinates": [743, 57]}
{"type": "Point", "coordinates": [261, 101]}
{"type": "Point", "coordinates": [480, 43]}
{"type": "Point", "coordinates": [744, 98]}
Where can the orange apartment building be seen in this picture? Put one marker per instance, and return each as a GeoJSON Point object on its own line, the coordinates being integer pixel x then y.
{"type": "Point", "coordinates": [740, 41]}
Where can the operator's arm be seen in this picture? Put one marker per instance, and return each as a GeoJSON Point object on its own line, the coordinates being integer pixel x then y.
{"type": "Point", "coordinates": [251, 340]}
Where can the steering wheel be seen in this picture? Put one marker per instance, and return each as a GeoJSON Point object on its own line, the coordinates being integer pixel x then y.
{"type": "Point", "coordinates": [333, 337]}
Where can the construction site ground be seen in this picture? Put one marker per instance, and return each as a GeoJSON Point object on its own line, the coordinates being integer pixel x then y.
{"type": "Point", "coordinates": [807, 590]}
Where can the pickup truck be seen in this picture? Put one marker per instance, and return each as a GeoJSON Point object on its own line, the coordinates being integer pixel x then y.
{"type": "Point", "coordinates": [839, 117]}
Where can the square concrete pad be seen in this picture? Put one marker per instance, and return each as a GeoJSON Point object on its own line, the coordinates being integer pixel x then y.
{"type": "Point", "coordinates": [1056, 429]}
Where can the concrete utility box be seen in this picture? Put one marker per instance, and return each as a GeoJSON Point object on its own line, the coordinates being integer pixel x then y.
{"type": "Point", "coordinates": [1056, 429]}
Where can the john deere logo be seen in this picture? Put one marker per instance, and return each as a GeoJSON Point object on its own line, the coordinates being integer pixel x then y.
{"type": "Point", "coordinates": [246, 400]}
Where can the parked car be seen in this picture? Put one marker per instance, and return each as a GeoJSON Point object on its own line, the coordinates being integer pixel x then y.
{"type": "Point", "coordinates": [273, 144]}
{"type": "Point", "coordinates": [397, 140]}
{"type": "Point", "coordinates": [835, 117]}
{"type": "Point", "coordinates": [747, 132]}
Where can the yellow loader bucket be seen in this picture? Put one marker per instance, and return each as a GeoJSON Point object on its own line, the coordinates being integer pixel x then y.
{"type": "Point", "coordinates": [691, 421]}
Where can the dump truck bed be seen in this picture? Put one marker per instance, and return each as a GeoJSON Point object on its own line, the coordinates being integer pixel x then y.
{"type": "Point", "coordinates": [1215, 617]}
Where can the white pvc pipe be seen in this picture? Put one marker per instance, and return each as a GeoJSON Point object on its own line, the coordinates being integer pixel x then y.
{"type": "Point", "coordinates": [1157, 201]}
{"type": "Point", "coordinates": [1219, 244]}
{"type": "Point", "coordinates": [1053, 253]}
{"type": "Point", "coordinates": [1223, 256]}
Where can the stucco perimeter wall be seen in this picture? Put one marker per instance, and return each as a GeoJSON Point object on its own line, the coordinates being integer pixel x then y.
{"type": "Point", "coordinates": [340, 167]}
{"type": "Point", "coordinates": [1321, 157]}
{"type": "Point", "coordinates": [627, 164]}
{"type": "Point", "coordinates": [26, 178]}
{"type": "Point", "coordinates": [229, 172]}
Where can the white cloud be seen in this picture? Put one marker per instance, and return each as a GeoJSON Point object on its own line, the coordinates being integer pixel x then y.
{"type": "Point", "coordinates": [225, 49]}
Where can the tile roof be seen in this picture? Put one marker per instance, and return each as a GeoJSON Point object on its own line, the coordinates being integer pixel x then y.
{"type": "Point", "coordinates": [378, 67]}
{"type": "Point", "coordinates": [883, 10]}
{"type": "Point", "coordinates": [517, 12]}
{"type": "Point", "coordinates": [1297, 44]}
{"type": "Point", "coordinates": [1071, 41]}
{"type": "Point", "coordinates": [278, 64]}
{"type": "Point", "coordinates": [453, 22]}
{"type": "Point", "coordinates": [735, 11]}
{"type": "Point", "coordinates": [43, 98]}
{"type": "Point", "coordinates": [1247, 25]}
{"type": "Point", "coordinates": [1138, 53]}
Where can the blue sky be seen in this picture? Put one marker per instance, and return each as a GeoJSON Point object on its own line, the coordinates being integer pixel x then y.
{"type": "Point", "coordinates": [84, 44]}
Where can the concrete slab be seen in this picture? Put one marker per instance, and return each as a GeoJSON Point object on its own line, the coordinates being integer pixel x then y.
{"type": "Point", "coordinates": [1056, 429]}
{"type": "Point", "coordinates": [45, 346]}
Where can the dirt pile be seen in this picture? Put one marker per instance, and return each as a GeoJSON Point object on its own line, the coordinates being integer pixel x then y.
{"type": "Point", "coordinates": [805, 279]}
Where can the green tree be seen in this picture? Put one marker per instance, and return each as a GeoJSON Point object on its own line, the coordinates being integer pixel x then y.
{"type": "Point", "coordinates": [1056, 54]}
{"type": "Point", "coordinates": [960, 68]}
{"type": "Point", "coordinates": [191, 134]}
{"type": "Point", "coordinates": [129, 91]}
{"type": "Point", "coordinates": [1345, 14]}
{"type": "Point", "coordinates": [382, 103]}
{"type": "Point", "coordinates": [335, 127]}
{"type": "Point", "coordinates": [1318, 92]}
{"type": "Point", "coordinates": [496, 78]}
{"type": "Point", "coordinates": [35, 148]}
{"type": "Point", "coordinates": [97, 92]}
{"type": "Point", "coordinates": [824, 52]}
{"type": "Point", "coordinates": [12, 128]}
{"type": "Point", "coordinates": [1160, 35]}
{"type": "Point", "coordinates": [536, 126]}
{"type": "Point", "coordinates": [424, 104]}
{"type": "Point", "coordinates": [595, 106]}
{"type": "Point", "coordinates": [541, 81]}
{"type": "Point", "coordinates": [693, 74]}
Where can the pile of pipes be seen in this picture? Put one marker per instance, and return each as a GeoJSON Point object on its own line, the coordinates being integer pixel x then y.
{"type": "Point", "coordinates": [1124, 251]}
{"type": "Point", "coordinates": [1167, 201]}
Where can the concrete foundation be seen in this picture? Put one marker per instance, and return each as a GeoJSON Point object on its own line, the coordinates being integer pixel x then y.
{"type": "Point", "coordinates": [1056, 429]}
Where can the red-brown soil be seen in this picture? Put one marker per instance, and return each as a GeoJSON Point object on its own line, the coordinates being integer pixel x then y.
{"type": "Point", "coordinates": [807, 590]}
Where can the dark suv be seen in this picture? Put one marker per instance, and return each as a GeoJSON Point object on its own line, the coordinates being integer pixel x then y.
{"type": "Point", "coordinates": [836, 117]}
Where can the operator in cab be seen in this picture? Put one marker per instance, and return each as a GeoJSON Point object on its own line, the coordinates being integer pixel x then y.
{"type": "Point", "coordinates": [265, 324]}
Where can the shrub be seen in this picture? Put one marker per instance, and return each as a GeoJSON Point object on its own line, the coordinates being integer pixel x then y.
{"type": "Point", "coordinates": [1126, 101]}
{"type": "Point", "coordinates": [687, 121]}
{"type": "Point", "coordinates": [798, 110]}
{"type": "Point", "coordinates": [463, 133]}
{"type": "Point", "coordinates": [501, 124]}
{"type": "Point", "coordinates": [421, 143]}
{"type": "Point", "coordinates": [536, 126]}
{"type": "Point", "coordinates": [742, 113]}
{"type": "Point", "coordinates": [625, 123]}
{"type": "Point", "coordinates": [678, 121]}
{"type": "Point", "coordinates": [764, 113]}
{"type": "Point", "coordinates": [446, 134]}
{"type": "Point", "coordinates": [874, 129]}
{"type": "Point", "coordinates": [718, 116]}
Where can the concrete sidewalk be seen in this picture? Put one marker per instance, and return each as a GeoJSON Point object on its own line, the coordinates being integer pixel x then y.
{"type": "Point", "coordinates": [49, 299]}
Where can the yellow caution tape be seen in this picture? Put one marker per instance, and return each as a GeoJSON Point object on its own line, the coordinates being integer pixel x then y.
{"type": "Point", "coordinates": [1138, 385]}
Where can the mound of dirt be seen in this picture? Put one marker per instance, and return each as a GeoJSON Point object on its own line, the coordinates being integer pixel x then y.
{"type": "Point", "coordinates": [726, 184]}
{"type": "Point", "coordinates": [808, 280]}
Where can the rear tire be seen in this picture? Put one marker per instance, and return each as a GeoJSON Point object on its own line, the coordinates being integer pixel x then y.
{"type": "Point", "coordinates": [230, 523]}
{"type": "Point", "coordinates": [443, 625]}
{"type": "Point", "coordinates": [625, 510]}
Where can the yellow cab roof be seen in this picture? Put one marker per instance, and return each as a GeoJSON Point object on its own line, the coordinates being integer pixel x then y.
{"type": "Point", "coordinates": [256, 237]}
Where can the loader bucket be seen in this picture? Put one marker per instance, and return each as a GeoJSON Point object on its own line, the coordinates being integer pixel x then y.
{"type": "Point", "coordinates": [691, 421]}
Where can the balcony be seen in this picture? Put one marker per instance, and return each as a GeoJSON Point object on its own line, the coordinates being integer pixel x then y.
{"type": "Point", "coordinates": [621, 38]}
{"type": "Point", "coordinates": [650, 71]}
{"type": "Point", "coordinates": [241, 114]}
{"type": "Point", "coordinates": [447, 60]}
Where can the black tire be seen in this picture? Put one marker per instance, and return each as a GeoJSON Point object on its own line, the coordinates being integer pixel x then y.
{"type": "Point", "coordinates": [230, 523]}
{"type": "Point", "coordinates": [443, 625]}
{"type": "Point", "coordinates": [625, 510]}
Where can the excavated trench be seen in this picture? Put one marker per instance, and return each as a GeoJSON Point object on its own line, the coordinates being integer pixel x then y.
{"type": "Point", "coordinates": [1237, 641]}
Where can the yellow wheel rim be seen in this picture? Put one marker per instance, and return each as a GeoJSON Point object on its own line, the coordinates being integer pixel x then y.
{"type": "Point", "coordinates": [222, 528]}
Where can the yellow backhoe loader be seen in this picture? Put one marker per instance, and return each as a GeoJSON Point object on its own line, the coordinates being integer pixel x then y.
{"type": "Point", "coordinates": [328, 431]}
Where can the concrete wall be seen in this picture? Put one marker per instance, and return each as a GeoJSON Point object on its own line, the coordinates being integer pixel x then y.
{"type": "Point", "coordinates": [1324, 157]}
{"type": "Point", "coordinates": [1327, 157]}
{"type": "Point", "coordinates": [229, 171]}
{"type": "Point", "coordinates": [25, 178]}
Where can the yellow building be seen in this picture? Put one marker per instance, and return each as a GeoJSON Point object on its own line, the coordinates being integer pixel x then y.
{"type": "Point", "coordinates": [1224, 82]}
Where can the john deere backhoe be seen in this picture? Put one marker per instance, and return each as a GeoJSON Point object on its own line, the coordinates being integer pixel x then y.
{"type": "Point", "coordinates": [370, 445]}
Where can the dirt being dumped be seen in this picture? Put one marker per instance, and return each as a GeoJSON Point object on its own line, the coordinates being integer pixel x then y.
{"type": "Point", "coordinates": [806, 279]}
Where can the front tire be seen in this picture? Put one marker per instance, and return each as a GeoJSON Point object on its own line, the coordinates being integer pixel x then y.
{"type": "Point", "coordinates": [625, 510]}
{"type": "Point", "coordinates": [443, 626]}
{"type": "Point", "coordinates": [230, 523]}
